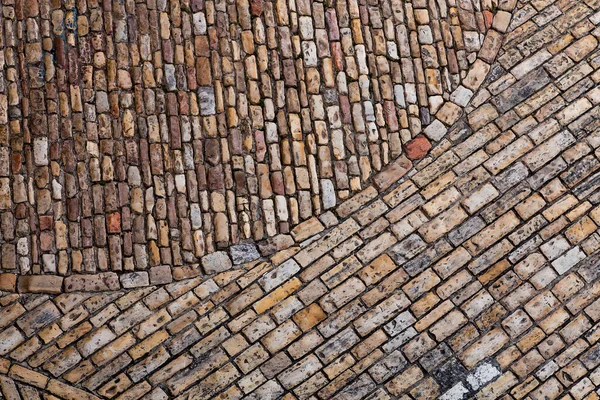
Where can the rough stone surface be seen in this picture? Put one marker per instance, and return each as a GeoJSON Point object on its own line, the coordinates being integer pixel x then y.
{"type": "Point", "coordinates": [299, 200]}
{"type": "Point", "coordinates": [244, 253]}
{"type": "Point", "coordinates": [143, 134]}
{"type": "Point", "coordinates": [216, 262]}
{"type": "Point", "coordinates": [417, 148]}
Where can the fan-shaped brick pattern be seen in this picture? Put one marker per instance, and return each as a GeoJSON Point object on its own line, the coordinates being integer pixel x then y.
{"type": "Point", "coordinates": [145, 134]}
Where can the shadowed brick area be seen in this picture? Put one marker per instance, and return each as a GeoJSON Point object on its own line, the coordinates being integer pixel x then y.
{"type": "Point", "coordinates": [466, 267]}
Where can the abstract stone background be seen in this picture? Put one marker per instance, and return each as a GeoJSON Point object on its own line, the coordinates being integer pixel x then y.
{"type": "Point", "coordinates": [299, 199]}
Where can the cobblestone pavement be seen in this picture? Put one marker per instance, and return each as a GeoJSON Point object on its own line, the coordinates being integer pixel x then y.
{"type": "Point", "coordinates": [300, 199]}
{"type": "Point", "coordinates": [143, 134]}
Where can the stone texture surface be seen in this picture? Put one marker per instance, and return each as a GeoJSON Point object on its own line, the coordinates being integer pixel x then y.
{"type": "Point", "coordinates": [138, 134]}
{"type": "Point", "coordinates": [299, 200]}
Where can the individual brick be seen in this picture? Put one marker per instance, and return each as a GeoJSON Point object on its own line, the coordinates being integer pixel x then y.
{"type": "Point", "coordinates": [488, 344]}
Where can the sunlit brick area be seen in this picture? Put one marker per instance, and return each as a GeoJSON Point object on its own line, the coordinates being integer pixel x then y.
{"type": "Point", "coordinates": [299, 199]}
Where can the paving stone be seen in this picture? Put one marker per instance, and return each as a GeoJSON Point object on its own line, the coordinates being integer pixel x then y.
{"type": "Point", "coordinates": [41, 284]}
{"type": "Point", "coordinates": [11, 338]}
{"type": "Point", "coordinates": [488, 344]}
{"type": "Point", "coordinates": [244, 253]}
{"type": "Point", "coordinates": [417, 148]}
{"type": "Point", "coordinates": [521, 90]}
{"type": "Point", "coordinates": [395, 171]}
{"type": "Point", "coordinates": [268, 199]}
{"type": "Point", "coordinates": [216, 262]}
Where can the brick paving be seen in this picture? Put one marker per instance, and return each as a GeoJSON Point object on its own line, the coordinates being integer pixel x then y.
{"type": "Point", "coordinates": [300, 199]}
{"type": "Point", "coordinates": [144, 134]}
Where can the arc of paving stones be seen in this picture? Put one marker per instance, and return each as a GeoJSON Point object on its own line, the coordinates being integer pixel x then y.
{"type": "Point", "coordinates": [415, 149]}
{"type": "Point", "coordinates": [451, 110]}
{"type": "Point", "coordinates": [144, 135]}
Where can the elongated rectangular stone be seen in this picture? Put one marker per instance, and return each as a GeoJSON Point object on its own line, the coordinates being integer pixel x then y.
{"type": "Point", "coordinates": [443, 223]}
{"type": "Point", "coordinates": [181, 382]}
{"type": "Point", "coordinates": [486, 346]}
{"type": "Point", "coordinates": [436, 168]}
{"type": "Point", "coordinates": [327, 242]}
{"type": "Point", "coordinates": [508, 155]}
{"type": "Point", "coordinates": [521, 90]}
{"type": "Point", "coordinates": [392, 173]}
{"type": "Point", "coordinates": [548, 150]}
{"type": "Point", "coordinates": [38, 318]}
{"type": "Point", "coordinates": [381, 313]}
{"type": "Point", "coordinates": [356, 202]}
{"type": "Point", "coordinates": [492, 233]}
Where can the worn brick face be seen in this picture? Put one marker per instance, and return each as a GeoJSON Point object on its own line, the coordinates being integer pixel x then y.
{"type": "Point", "coordinates": [299, 199]}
